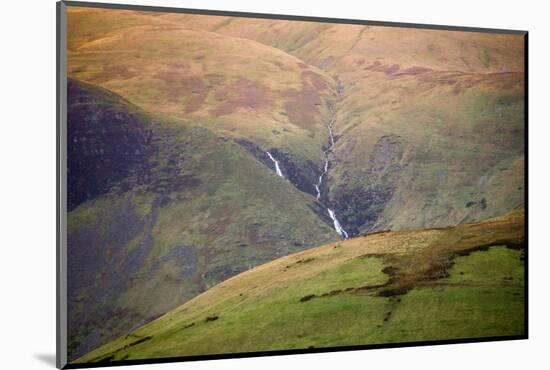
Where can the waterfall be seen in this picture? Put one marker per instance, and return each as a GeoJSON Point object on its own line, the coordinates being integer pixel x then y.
{"type": "Point", "coordinates": [337, 225]}
{"type": "Point", "coordinates": [318, 185]}
{"type": "Point", "coordinates": [327, 152]}
{"type": "Point", "coordinates": [277, 168]}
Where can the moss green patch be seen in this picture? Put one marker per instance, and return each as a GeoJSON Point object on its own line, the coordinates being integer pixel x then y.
{"type": "Point", "coordinates": [496, 266]}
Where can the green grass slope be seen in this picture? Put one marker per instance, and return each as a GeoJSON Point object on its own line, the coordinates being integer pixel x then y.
{"type": "Point", "coordinates": [197, 210]}
{"type": "Point", "coordinates": [457, 282]}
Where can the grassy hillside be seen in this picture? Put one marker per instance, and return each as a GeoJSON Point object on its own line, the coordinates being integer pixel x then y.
{"type": "Point", "coordinates": [456, 282]}
{"type": "Point", "coordinates": [426, 120]}
{"type": "Point", "coordinates": [429, 120]}
{"type": "Point", "coordinates": [447, 144]}
{"type": "Point", "coordinates": [197, 209]}
{"type": "Point", "coordinates": [334, 47]}
{"type": "Point", "coordinates": [224, 83]}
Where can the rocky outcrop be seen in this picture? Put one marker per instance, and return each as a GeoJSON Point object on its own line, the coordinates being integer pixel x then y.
{"type": "Point", "coordinates": [360, 206]}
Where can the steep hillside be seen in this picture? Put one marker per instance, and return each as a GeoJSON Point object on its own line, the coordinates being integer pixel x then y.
{"type": "Point", "coordinates": [428, 120]}
{"type": "Point", "coordinates": [422, 119]}
{"type": "Point", "coordinates": [162, 211]}
{"type": "Point", "coordinates": [109, 142]}
{"type": "Point", "coordinates": [224, 83]}
{"type": "Point", "coordinates": [457, 282]}
{"type": "Point", "coordinates": [429, 149]}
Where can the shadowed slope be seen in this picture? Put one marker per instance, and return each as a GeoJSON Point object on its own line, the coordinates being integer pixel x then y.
{"type": "Point", "coordinates": [109, 142]}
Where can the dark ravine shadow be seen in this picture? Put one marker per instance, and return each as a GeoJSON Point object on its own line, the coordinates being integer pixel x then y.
{"type": "Point", "coordinates": [47, 358]}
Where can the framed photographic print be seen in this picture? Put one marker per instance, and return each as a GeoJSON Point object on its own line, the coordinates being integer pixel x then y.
{"type": "Point", "coordinates": [235, 184]}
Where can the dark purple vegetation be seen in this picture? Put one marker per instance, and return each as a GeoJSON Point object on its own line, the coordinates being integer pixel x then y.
{"type": "Point", "coordinates": [106, 142]}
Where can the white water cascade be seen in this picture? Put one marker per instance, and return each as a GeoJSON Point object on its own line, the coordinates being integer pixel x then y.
{"type": "Point", "coordinates": [326, 153]}
{"type": "Point", "coordinates": [337, 225]}
{"type": "Point", "coordinates": [321, 179]}
{"type": "Point", "coordinates": [277, 168]}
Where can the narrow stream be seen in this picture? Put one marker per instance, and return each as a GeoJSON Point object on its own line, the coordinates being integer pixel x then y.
{"type": "Point", "coordinates": [317, 186]}
{"type": "Point", "coordinates": [326, 153]}
{"type": "Point", "coordinates": [337, 226]}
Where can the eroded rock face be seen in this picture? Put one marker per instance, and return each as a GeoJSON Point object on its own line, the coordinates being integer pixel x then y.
{"type": "Point", "coordinates": [301, 176]}
{"type": "Point", "coordinates": [105, 144]}
{"type": "Point", "coordinates": [360, 206]}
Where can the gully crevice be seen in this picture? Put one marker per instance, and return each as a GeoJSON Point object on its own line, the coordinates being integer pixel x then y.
{"type": "Point", "coordinates": [327, 154]}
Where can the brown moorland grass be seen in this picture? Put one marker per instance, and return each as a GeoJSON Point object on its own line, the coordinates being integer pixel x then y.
{"type": "Point", "coordinates": [222, 82]}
